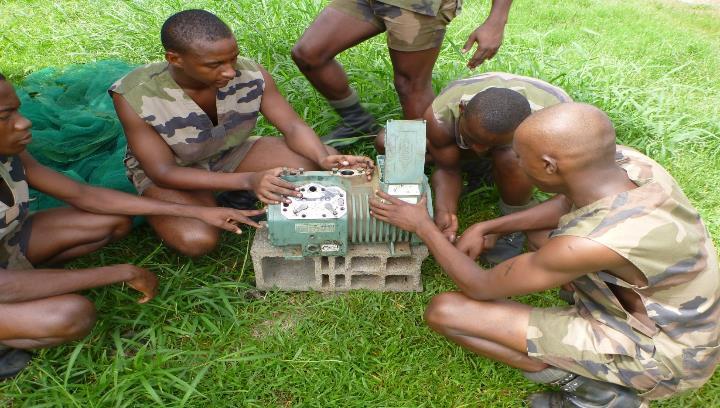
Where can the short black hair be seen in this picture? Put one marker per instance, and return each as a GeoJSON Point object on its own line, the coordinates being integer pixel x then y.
{"type": "Point", "coordinates": [182, 29]}
{"type": "Point", "coordinates": [498, 110]}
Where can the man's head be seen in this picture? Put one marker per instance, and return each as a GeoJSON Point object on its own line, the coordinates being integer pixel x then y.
{"type": "Point", "coordinates": [201, 46]}
{"type": "Point", "coordinates": [14, 127]}
{"type": "Point", "coordinates": [559, 142]}
{"type": "Point", "coordinates": [490, 118]}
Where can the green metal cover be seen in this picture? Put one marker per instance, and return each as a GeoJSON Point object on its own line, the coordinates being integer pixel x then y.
{"type": "Point", "coordinates": [404, 151]}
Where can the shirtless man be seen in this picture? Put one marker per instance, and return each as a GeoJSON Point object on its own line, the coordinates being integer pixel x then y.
{"type": "Point", "coordinates": [189, 120]}
{"type": "Point", "coordinates": [415, 31]}
{"type": "Point", "coordinates": [645, 324]}
{"type": "Point", "coordinates": [39, 307]}
{"type": "Point", "coordinates": [471, 122]}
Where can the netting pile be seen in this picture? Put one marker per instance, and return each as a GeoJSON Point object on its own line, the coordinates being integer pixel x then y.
{"type": "Point", "coordinates": [75, 128]}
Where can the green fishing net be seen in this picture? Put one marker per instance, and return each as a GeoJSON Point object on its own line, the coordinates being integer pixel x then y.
{"type": "Point", "coordinates": [75, 128]}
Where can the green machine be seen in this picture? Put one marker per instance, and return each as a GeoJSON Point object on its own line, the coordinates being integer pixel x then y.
{"type": "Point", "coordinates": [334, 210]}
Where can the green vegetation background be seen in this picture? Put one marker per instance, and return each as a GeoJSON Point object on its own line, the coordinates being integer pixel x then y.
{"type": "Point", "coordinates": [210, 339]}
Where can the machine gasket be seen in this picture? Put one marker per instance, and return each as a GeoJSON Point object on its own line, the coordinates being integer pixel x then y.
{"type": "Point", "coordinates": [318, 202]}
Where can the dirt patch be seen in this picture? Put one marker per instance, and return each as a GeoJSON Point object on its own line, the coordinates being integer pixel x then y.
{"type": "Point", "coordinates": [281, 322]}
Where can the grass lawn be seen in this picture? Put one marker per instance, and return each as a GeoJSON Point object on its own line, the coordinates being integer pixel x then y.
{"type": "Point", "coordinates": [209, 339]}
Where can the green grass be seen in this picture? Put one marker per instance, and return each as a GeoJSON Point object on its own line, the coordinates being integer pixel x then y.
{"type": "Point", "coordinates": [211, 340]}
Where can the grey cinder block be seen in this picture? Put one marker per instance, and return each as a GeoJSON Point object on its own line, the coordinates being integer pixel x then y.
{"type": "Point", "coordinates": [366, 266]}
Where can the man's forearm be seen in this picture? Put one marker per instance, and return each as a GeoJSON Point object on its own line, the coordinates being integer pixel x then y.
{"type": "Point", "coordinates": [467, 275]}
{"type": "Point", "coordinates": [26, 285]}
{"type": "Point", "coordinates": [447, 185]}
{"type": "Point", "coordinates": [106, 201]}
{"type": "Point", "coordinates": [543, 216]}
{"type": "Point", "coordinates": [303, 141]}
{"type": "Point", "coordinates": [499, 12]}
{"type": "Point", "coordinates": [188, 178]}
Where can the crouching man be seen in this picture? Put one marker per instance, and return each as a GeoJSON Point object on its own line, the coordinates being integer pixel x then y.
{"type": "Point", "coordinates": [39, 307]}
{"type": "Point", "coordinates": [643, 268]}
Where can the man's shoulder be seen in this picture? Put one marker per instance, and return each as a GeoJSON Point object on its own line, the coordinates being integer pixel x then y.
{"type": "Point", "coordinates": [142, 76]}
{"type": "Point", "coordinates": [579, 254]}
{"type": "Point", "coordinates": [538, 91]}
{"type": "Point", "coordinates": [247, 64]}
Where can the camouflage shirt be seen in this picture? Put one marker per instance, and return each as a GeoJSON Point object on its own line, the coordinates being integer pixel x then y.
{"type": "Point", "coordinates": [446, 106]}
{"type": "Point", "coordinates": [655, 227]}
{"type": "Point", "coordinates": [195, 141]}
{"type": "Point", "coordinates": [426, 7]}
{"type": "Point", "coordinates": [14, 210]}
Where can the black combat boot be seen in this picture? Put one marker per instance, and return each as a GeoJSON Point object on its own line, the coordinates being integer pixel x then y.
{"type": "Point", "coordinates": [508, 245]}
{"type": "Point", "coordinates": [240, 200]}
{"type": "Point", "coordinates": [356, 121]}
{"type": "Point", "coordinates": [579, 392]}
{"type": "Point", "coordinates": [12, 361]}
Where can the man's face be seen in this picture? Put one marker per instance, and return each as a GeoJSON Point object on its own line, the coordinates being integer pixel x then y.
{"type": "Point", "coordinates": [533, 166]}
{"type": "Point", "coordinates": [208, 62]}
{"type": "Point", "coordinates": [476, 137]}
{"type": "Point", "coordinates": [15, 132]}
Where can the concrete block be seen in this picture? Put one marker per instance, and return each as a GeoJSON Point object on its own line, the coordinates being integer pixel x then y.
{"type": "Point", "coordinates": [366, 266]}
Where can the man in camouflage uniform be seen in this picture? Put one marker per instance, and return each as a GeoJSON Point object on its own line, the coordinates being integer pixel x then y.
{"type": "Point", "coordinates": [645, 324]}
{"type": "Point", "coordinates": [415, 31]}
{"type": "Point", "coordinates": [471, 122]}
{"type": "Point", "coordinates": [189, 122]}
{"type": "Point", "coordinates": [39, 307]}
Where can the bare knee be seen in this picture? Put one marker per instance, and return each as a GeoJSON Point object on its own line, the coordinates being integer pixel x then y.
{"type": "Point", "coordinates": [72, 318]}
{"type": "Point", "coordinates": [442, 309]}
{"type": "Point", "coordinates": [308, 57]}
{"type": "Point", "coordinates": [407, 86]}
{"type": "Point", "coordinates": [194, 243]}
{"type": "Point", "coordinates": [380, 141]}
{"type": "Point", "coordinates": [403, 86]}
{"type": "Point", "coordinates": [121, 227]}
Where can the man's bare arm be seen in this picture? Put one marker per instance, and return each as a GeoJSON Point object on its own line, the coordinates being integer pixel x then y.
{"type": "Point", "coordinates": [446, 179]}
{"type": "Point", "coordinates": [558, 262]}
{"type": "Point", "coordinates": [542, 216]}
{"type": "Point", "coordinates": [489, 35]}
{"type": "Point", "coordinates": [105, 201]}
{"type": "Point", "coordinates": [298, 135]}
{"type": "Point", "coordinates": [25, 285]}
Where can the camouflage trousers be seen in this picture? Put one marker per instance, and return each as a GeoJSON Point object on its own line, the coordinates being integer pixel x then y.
{"type": "Point", "coordinates": [406, 30]}
{"type": "Point", "coordinates": [14, 247]}
{"type": "Point", "coordinates": [567, 339]}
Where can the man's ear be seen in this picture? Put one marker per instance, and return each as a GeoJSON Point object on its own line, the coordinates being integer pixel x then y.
{"type": "Point", "coordinates": [173, 58]}
{"type": "Point", "coordinates": [461, 106]}
{"type": "Point", "coordinates": [550, 164]}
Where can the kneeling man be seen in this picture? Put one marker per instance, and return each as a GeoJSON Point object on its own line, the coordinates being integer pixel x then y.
{"type": "Point", "coordinates": [640, 260]}
{"type": "Point", "coordinates": [189, 123]}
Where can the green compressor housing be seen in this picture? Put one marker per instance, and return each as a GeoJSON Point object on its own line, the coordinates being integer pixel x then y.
{"type": "Point", "coordinates": [334, 210]}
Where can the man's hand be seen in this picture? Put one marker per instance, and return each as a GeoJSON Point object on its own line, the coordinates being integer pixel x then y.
{"type": "Point", "coordinates": [143, 281]}
{"type": "Point", "coordinates": [347, 161]}
{"type": "Point", "coordinates": [270, 188]}
{"type": "Point", "coordinates": [448, 224]}
{"type": "Point", "coordinates": [409, 217]}
{"type": "Point", "coordinates": [475, 240]}
{"type": "Point", "coordinates": [489, 37]}
{"type": "Point", "coordinates": [228, 218]}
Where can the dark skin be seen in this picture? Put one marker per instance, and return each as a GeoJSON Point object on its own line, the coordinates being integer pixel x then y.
{"type": "Point", "coordinates": [39, 306]}
{"type": "Point", "coordinates": [200, 71]}
{"type": "Point", "coordinates": [513, 185]}
{"type": "Point", "coordinates": [478, 317]}
{"type": "Point", "coordinates": [333, 32]}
